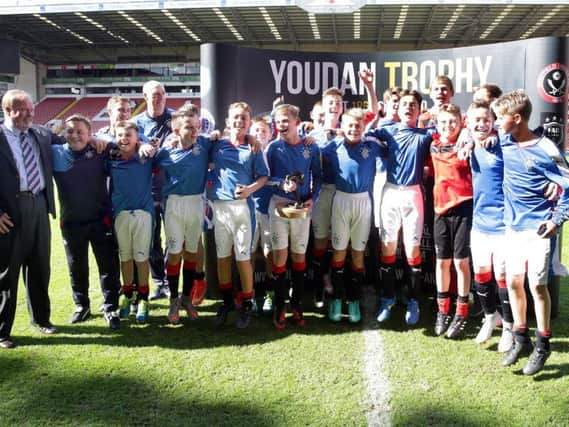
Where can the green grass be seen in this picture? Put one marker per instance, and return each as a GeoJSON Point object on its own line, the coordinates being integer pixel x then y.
{"type": "Point", "coordinates": [435, 381]}
{"type": "Point", "coordinates": [189, 374]}
{"type": "Point", "coordinates": [195, 374]}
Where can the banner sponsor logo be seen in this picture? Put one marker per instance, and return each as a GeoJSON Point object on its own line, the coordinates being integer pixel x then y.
{"type": "Point", "coordinates": [552, 83]}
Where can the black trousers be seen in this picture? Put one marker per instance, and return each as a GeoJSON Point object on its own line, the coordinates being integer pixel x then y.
{"type": "Point", "coordinates": [157, 255]}
{"type": "Point", "coordinates": [76, 239]}
{"type": "Point", "coordinates": [30, 252]}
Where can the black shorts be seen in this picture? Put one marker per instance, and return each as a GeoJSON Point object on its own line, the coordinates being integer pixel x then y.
{"type": "Point", "coordinates": [452, 232]}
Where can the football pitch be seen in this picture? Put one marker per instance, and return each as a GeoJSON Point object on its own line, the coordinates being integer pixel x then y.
{"type": "Point", "coordinates": [324, 374]}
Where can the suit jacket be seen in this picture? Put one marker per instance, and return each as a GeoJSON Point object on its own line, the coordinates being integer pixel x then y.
{"type": "Point", "coordinates": [10, 179]}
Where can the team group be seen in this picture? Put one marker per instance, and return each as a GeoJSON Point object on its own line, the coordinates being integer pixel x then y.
{"type": "Point", "coordinates": [341, 171]}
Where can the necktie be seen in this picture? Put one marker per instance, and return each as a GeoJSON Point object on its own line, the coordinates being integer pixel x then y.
{"type": "Point", "coordinates": [30, 165]}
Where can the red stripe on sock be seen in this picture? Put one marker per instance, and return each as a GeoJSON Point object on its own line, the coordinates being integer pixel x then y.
{"type": "Point", "coordinates": [247, 295]}
{"type": "Point", "coordinates": [357, 269]}
{"type": "Point", "coordinates": [414, 262]}
{"type": "Point", "coordinates": [388, 259]}
{"type": "Point", "coordinates": [225, 286]}
{"type": "Point", "coordinates": [546, 333]}
{"type": "Point", "coordinates": [127, 288]}
{"type": "Point", "coordinates": [338, 264]}
{"type": "Point", "coordinates": [520, 327]}
{"type": "Point", "coordinates": [143, 289]}
{"type": "Point", "coordinates": [483, 277]}
{"type": "Point", "coordinates": [298, 266]}
{"type": "Point", "coordinates": [173, 269]}
{"type": "Point", "coordinates": [189, 265]}
{"type": "Point", "coordinates": [279, 269]}
{"type": "Point", "coordinates": [462, 309]}
{"type": "Point", "coordinates": [444, 305]}
{"type": "Point", "coordinates": [502, 284]}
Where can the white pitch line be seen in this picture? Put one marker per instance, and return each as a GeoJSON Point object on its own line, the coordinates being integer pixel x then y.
{"type": "Point", "coordinates": [378, 410]}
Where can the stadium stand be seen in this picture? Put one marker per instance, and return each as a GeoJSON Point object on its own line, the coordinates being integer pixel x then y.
{"type": "Point", "coordinates": [49, 107]}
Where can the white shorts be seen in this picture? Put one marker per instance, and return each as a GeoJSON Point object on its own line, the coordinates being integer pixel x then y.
{"type": "Point", "coordinates": [262, 233]}
{"type": "Point", "coordinates": [134, 235]}
{"type": "Point", "coordinates": [379, 181]}
{"type": "Point", "coordinates": [487, 250]}
{"type": "Point", "coordinates": [402, 207]}
{"type": "Point", "coordinates": [183, 222]}
{"type": "Point", "coordinates": [524, 247]}
{"type": "Point", "coordinates": [351, 220]}
{"type": "Point", "coordinates": [298, 228]}
{"type": "Point", "coordinates": [322, 212]}
{"type": "Point", "coordinates": [232, 228]}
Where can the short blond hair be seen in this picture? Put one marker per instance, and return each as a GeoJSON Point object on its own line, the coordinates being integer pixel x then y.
{"type": "Point", "coordinates": [14, 95]}
{"type": "Point", "coordinates": [289, 110]}
{"type": "Point", "coordinates": [443, 80]}
{"type": "Point", "coordinates": [354, 113]}
{"type": "Point", "coordinates": [451, 109]}
{"type": "Point", "coordinates": [240, 104]}
{"type": "Point", "coordinates": [260, 119]}
{"type": "Point", "coordinates": [333, 91]}
{"type": "Point", "coordinates": [116, 100]}
{"type": "Point", "coordinates": [189, 108]}
{"type": "Point", "coordinates": [79, 118]}
{"type": "Point", "coordinates": [516, 102]}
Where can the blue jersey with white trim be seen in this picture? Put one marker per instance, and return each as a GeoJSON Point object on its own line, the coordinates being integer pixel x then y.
{"type": "Point", "coordinates": [407, 151]}
{"type": "Point", "coordinates": [487, 168]}
{"type": "Point", "coordinates": [528, 168]}
{"type": "Point", "coordinates": [131, 184]}
{"type": "Point", "coordinates": [323, 141]}
{"type": "Point", "coordinates": [352, 165]}
{"type": "Point", "coordinates": [285, 159]}
{"type": "Point", "coordinates": [234, 165]}
{"type": "Point", "coordinates": [185, 169]}
{"type": "Point", "coordinates": [262, 198]}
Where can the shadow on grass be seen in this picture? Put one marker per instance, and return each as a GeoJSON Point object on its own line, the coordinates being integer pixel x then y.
{"type": "Point", "coordinates": [188, 335]}
{"type": "Point", "coordinates": [440, 416]}
{"type": "Point", "coordinates": [120, 400]}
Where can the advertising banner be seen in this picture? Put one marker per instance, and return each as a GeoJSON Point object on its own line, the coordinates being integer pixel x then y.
{"type": "Point", "coordinates": [231, 73]}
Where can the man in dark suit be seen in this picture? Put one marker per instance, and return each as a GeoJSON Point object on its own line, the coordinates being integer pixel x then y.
{"type": "Point", "coordinates": [26, 198]}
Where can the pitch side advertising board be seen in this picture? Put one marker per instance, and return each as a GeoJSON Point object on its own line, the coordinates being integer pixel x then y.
{"type": "Point", "coordinates": [231, 73]}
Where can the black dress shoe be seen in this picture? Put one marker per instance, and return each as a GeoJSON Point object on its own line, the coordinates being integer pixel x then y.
{"type": "Point", "coordinates": [7, 343]}
{"type": "Point", "coordinates": [80, 315]}
{"type": "Point", "coordinates": [47, 329]}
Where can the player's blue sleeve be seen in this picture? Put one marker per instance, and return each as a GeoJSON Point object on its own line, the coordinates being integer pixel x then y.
{"type": "Point", "coordinates": [380, 137]}
{"type": "Point", "coordinates": [561, 211]}
{"type": "Point", "coordinates": [316, 170]}
{"type": "Point", "coordinates": [161, 155]}
{"type": "Point", "coordinates": [261, 167]}
{"type": "Point", "coordinates": [276, 181]}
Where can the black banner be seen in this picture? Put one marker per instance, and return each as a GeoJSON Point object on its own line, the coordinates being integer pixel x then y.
{"type": "Point", "coordinates": [232, 73]}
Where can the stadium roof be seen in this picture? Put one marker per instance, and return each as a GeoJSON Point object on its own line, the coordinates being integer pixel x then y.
{"type": "Point", "coordinates": [60, 31]}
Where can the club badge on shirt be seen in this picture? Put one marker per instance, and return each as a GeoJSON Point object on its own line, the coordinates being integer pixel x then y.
{"type": "Point", "coordinates": [306, 153]}
{"type": "Point", "coordinates": [364, 152]}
